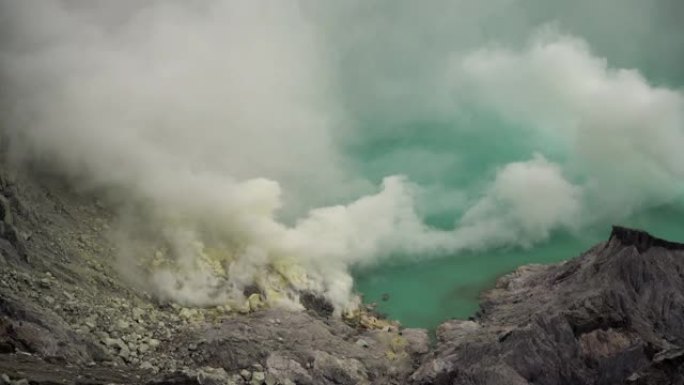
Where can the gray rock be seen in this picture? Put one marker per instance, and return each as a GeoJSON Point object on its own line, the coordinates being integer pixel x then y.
{"type": "Point", "coordinates": [146, 365]}
{"type": "Point", "coordinates": [122, 324]}
{"type": "Point", "coordinates": [236, 379]}
{"type": "Point", "coordinates": [270, 379]}
{"type": "Point", "coordinates": [283, 367]}
{"type": "Point", "coordinates": [118, 346]}
{"type": "Point", "coordinates": [45, 283]}
{"type": "Point", "coordinates": [288, 346]}
{"type": "Point", "coordinates": [143, 348]}
{"type": "Point", "coordinates": [456, 330]}
{"type": "Point", "coordinates": [124, 353]}
{"type": "Point", "coordinates": [417, 341]}
{"type": "Point", "coordinates": [213, 376]}
{"type": "Point", "coordinates": [246, 374]}
{"type": "Point", "coordinates": [137, 313]}
{"type": "Point", "coordinates": [603, 318]}
{"type": "Point", "coordinates": [101, 334]}
{"type": "Point", "coordinates": [338, 370]}
{"type": "Point", "coordinates": [258, 378]}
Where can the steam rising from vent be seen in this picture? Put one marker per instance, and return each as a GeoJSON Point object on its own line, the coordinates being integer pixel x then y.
{"type": "Point", "coordinates": [225, 133]}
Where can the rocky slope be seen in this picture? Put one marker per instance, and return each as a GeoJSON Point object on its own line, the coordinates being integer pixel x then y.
{"type": "Point", "coordinates": [614, 315]}
{"type": "Point", "coordinates": [67, 317]}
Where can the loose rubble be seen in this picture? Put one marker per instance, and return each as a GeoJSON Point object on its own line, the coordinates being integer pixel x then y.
{"type": "Point", "coordinates": [62, 301]}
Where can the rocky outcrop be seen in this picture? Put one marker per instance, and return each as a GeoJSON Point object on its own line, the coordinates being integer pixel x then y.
{"type": "Point", "coordinates": [614, 315]}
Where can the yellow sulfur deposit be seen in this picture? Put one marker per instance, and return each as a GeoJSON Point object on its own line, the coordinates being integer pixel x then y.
{"type": "Point", "coordinates": [292, 272]}
{"type": "Point", "coordinates": [216, 259]}
{"type": "Point", "coordinates": [255, 302]}
{"type": "Point", "coordinates": [398, 344]}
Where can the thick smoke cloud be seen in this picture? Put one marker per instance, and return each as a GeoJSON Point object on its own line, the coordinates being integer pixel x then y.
{"type": "Point", "coordinates": [222, 131]}
{"type": "Point", "coordinates": [526, 201]}
{"type": "Point", "coordinates": [619, 133]}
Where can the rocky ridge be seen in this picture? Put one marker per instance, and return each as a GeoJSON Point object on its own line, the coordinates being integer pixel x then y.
{"type": "Point", "coordinates": [614, 315]}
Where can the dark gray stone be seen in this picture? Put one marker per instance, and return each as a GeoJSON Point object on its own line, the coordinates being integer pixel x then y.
{"type": "Point", "coordinates": [613, 315]}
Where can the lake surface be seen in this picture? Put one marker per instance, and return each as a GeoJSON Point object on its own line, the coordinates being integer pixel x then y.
{"type": "Point", "coordinates": [424, 294]}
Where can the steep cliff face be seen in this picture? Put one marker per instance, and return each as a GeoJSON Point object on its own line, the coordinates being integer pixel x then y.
{"type": "Point", "coordinates": [610, 316]}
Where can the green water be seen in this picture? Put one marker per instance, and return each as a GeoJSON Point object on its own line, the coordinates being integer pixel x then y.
{"type": "Point", "coordinates": [453, 155]}
{"type": "Point", "coordinates": [462, 157]}
{"type": "Point", "coordinates": [427, 293]}
{"type": "Point", "coordinates": [424, 294]}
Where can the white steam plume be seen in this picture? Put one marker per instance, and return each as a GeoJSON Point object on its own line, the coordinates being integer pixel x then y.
{"type": "Point", "coordinates": [615, 131]}
{"type": "Point", "coordinates": [199, 115]}
{"type": "Point", "coordinates": [210, 120]}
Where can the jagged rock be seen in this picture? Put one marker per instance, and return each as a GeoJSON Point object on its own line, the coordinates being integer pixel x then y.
{"type": "Point", "coordinates": [143, 348]}
{"type": "Point", "coordinates": [283, 367]}
{"type": "Point", "coordinates": [417, 341]}
{"type": "Point", "coordinates": [137, 313]}
{"type": "Point", "coordinates": [329, 368]}
{"type": "Point", "coordinates": [213, 376]}
{"type": "Point", "coordinates": [611, 316]}
{"type": "Point", "coordinates": [90, 323]}
{"type": "Point", "coordinates": [642, 240]}
{"type": "Point", "coordinates": [286, 348]}
{"type": "Point", "coordinates": [255, 302]}
{"type": "Point", "coordinates": [146, 365]}
{"type": "Point", "coordinates": [316, 303]}
{"type": "Point", "coordinates": [456, 330]}
{"type": "Point", "coordinates": [258, 378]}
{"type": "Point", "coordinates": [252, 289]}
{"type": "Point", "coordinates": [24, 327]}
{"type": "Point", "coordinates": [270, 379]}
{"type": "Point", "coordinates": [176, 378]}
{"type": "Point", "coordinates": [246, 374]}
